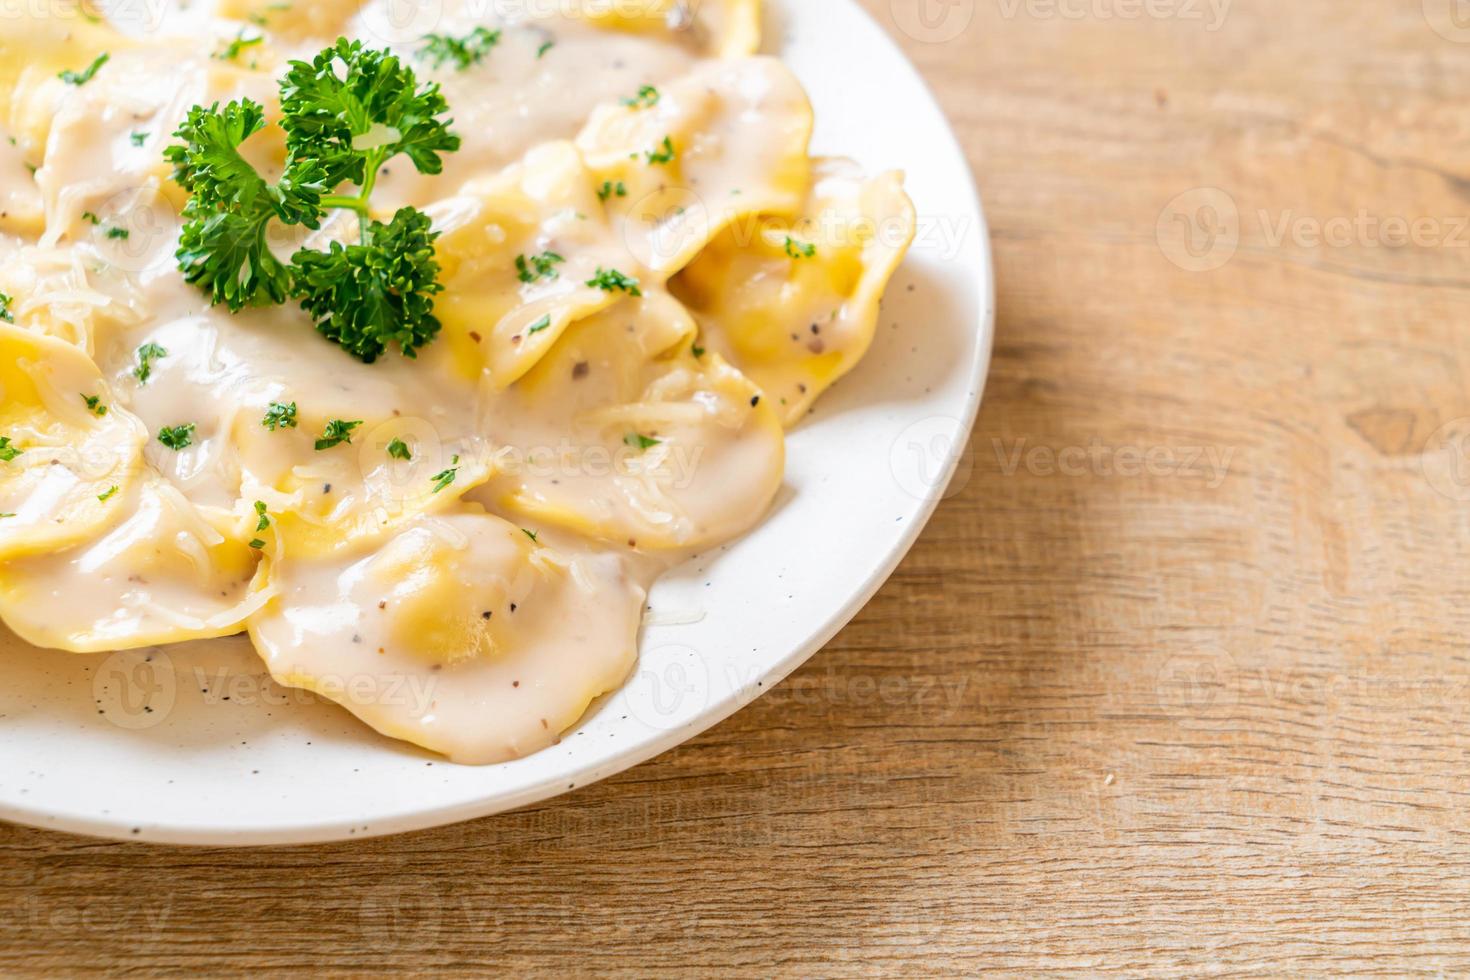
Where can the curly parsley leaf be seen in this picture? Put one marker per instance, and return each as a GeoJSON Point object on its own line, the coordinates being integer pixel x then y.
{"type": "Point", "coordinates": [366, 296]}
{"type": "Point", "coordinates": [223, 248]}
{"type": "Point", "coordinates": [352, 108]}
{"type": "Point", "coordinates": [345, 114]}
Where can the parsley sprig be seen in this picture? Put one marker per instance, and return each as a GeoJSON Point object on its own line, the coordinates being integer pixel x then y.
{"type": "Point", "coordinates": [345, 113]}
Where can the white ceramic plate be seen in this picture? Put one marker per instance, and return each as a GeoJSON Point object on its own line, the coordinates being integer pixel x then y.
{"type": "Point", "coordinates": [195, 745]}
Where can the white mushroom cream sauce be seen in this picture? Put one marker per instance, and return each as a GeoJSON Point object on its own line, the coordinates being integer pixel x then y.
{"type": "Point", "coordinates": [566, 443]}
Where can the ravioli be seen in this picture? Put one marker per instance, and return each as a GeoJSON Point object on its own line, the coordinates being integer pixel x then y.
{"type": "Point", "coordinates": [728, 140]}
{"type": "Point", "coordinates": [37, 45]}
{"type": "Point", "coordinates": [59, 458]}
{"type": "Point", "coordinates": [546, 67]}
{"type": "Point", "coordinates": [724, 28]}
{"type": "Point", "coordinates": [459, 634]}
{"type": "Point", "coordinates": [626, 434]}
{"type": "Point", "coordinates": [293, 21]}
{"type": "Point", "coordinates": [225, 373]}
{"type": "Point", "coordinates": [517, 253]}
{"type": "Point", "coordinates": [796, 308]}
{"type": "Point", "coordinates": [163, 571]}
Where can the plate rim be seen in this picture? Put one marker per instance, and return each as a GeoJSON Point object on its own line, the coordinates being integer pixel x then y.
{"type": "Point", "coordinates": [335, 829]}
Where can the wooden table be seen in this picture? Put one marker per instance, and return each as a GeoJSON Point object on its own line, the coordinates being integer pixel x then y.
{"type": "Point", "coordinates": [1177, 680]}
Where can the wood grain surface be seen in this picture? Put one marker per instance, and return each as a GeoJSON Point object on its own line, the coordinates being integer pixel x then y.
{"type": "Point", "coordinates": [1175, 684]}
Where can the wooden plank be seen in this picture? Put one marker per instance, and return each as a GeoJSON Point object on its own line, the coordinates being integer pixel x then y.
{"type": "Point", "coordinates": [1176, 682]}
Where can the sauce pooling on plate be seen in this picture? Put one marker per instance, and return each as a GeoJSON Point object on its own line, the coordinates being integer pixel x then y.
{"type": "Point", "coordinates": [414, 352]}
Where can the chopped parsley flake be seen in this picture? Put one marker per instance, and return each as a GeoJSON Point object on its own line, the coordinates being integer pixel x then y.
{"type": "Point", "coordinates": [257, 543]}
{"type": "Point", "coordinates": [664, 154]}
{"type": "Point", "coordinates": [641, 442]}
{"type": "Point", "coordinates": [611, 280]}
{"type": "Point", "coordinates": [541, 266]}
{"type": "Point", "coordinates": [539, 325]}
{"type": "Point", "coordinates": [336, 433]}
{"type": "Point", "coordinates": [646, 98]}
{"type": "Point", "coordinates": [465, 51]}
{"type": "Point", "coordinates": [545, 47]}
{"type": "Point", "coordinates": [609, 189]}
{"type": "Point", "coordinates": [799, 250]}
{"type": "Point", "coordinates": [7, 450]}
{"type": "Point", "coordinates": [147, 354]}
{"type": "Point", "coordinates": [697, 350]}
{"type": "Point", "coordinates": [398, 449]}
{"type": "Point", "coordinates": [94, 405]}
{"type": "Point", "coordinates": [138, 138]}
{"type": "Point", "coordinates": [83, 77]}
{"type": "Point", "coordinates": [5, 313]}
{"type": "Point", "coordinates": [445, 478]}
{"type": "Point", "coordinates": [177, 437]}
{"type": "Point", "coordinates": [118, 233]}
{"type": "Point", "coordinates": [107, 494]}
{"type": "Point", "coordinates": [280, 416]}
{"type": "Point", "coordinates": [91, 218]}
{"type": "Point", "coordinates": [263, 519]}
{"type": "Point", "coordinates": [239, 44]}
{"type": "Point", "coordinates": [534, 536]}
